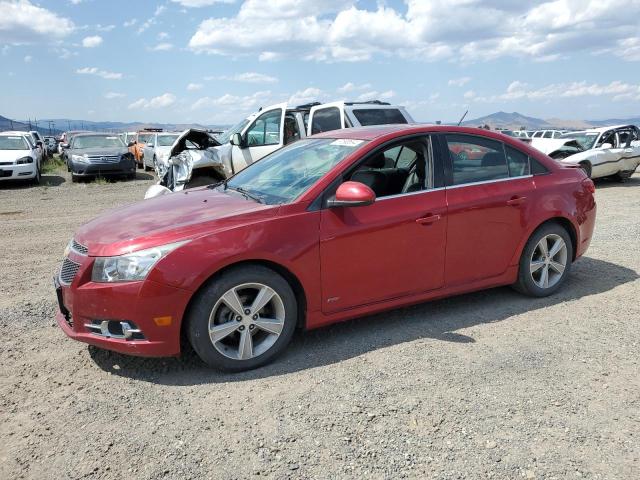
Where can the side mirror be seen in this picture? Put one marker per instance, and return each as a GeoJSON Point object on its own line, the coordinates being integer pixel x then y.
{"type": "Point", "coordinates": [131, 144]}
{"type": "Point", "coordinates": [606, 145]}
{"type": "Point", "coordinates": [352, 194]}
{"type": "Point", "coordinates": [39, 143]}
{"type": "Point", "coordinates": [236, 139]}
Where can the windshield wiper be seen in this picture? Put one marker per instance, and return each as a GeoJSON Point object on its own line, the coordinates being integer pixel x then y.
{"type": "Point", "coordinates": [246, 193]}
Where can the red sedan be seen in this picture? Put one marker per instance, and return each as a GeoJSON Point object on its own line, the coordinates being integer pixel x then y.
{"type": "Point", "coordinates": [336, 226]}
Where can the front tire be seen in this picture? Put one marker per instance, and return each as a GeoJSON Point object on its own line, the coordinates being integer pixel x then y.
{"type": "Point", "coordinates": [545, 262]}
{"type": "Point", "coordinates": [586, 166]}
{"type": "Point", "coordinates": [242, 319]}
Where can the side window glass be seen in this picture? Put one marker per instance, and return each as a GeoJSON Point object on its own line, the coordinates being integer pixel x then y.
{"type": "Point", "coordinates": [518, 162]}
{"type": "Point", "coordinates": [476, 159]}
{"type": "Point", "coordinates": [395, 180]}
{"type": "Point", "coordinates": [547, 134]}
{"type": "Point", "coordinates": [325, 120]}
{"type": "Point", "coordinates": [265, 130]}
{"type": "Point", "coordinates": [537, 168]}
{"type": "Point", "coordinates": [291, 130]}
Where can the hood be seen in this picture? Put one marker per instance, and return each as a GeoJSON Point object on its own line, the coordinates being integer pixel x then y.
{"type": "Point", "coordinates": [13, 155]}
{"type": "Point", "coordinates": [99, 151]}
{"type": "Point", "coordinates": [200, 138]}
{"type": "Point", "coordinates": [167, 219]}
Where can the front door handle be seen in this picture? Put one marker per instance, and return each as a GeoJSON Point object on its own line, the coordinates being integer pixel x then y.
{"type": "Point", "coordinates": [628, 150]}
{"type": "Point", "coordinates": [516, 201]}
{"type": "Point", "coordinates": [429, 219]}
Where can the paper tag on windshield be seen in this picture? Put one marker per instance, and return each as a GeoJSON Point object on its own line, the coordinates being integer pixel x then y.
{"type": "Point", "coordinates": [347, 142]}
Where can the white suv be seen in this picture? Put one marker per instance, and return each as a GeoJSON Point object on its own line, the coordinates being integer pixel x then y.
{"type": "Point", "coordinates": [19, 157]}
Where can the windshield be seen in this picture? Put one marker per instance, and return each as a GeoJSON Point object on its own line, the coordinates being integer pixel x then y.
{"type": "Point", "coordinates": [585, 139]}
{"type": "Point", "coordinates": [13, 143]}
{"type": "Point", "coordinates": [224, 137]}
{"type": "Point", "coordinates": [97, 141]}
{"type": "Point", "coordinates": [144, 137]}
{"type": "Point", "coordinates": [166, 140]}
{"type": "Point", "coordinates": [289, 172]}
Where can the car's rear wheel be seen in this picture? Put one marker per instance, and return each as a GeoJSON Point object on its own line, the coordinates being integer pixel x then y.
{"type": "Point", "coordinates": [242, 319]}
{"type": "Point", "coordinates": [545, 262]}
{"type": "Point", "coordinates": [623, 176]}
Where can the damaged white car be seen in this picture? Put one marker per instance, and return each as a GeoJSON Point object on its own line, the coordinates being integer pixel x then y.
{"type": "Point", "coordinates": [193, 161]}
{"type": "Point", "coordinates": [198, 156]}
{"type": "Point", "coordinates": [600, 152]}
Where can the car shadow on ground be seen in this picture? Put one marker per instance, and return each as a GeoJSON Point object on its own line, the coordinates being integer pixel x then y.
{"type": "Point", "coordinates": [48, 180]}
{"type": "Point", "coordinates": [437, 320]}
{"type": "Point", "coordinates": [613, 183]}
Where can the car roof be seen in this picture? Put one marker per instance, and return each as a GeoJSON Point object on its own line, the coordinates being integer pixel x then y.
{"type": "Point", "coordinates": [377, 131]}
{"type": "Point", "coordinates": [14, 132]}
{"type": "Point", "coordinates": [602, 129]}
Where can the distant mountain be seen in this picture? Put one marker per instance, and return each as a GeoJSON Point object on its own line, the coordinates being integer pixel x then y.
{"type": "Point", "coordinates": [43, 127]}
{"type": "Point", "coordinates": [517, 121]}
{"type": "Point", "coordinates": [70, 124]}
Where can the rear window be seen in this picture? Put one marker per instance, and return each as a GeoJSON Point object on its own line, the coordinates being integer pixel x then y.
{"type": "Point", "coordinates": [379, 116]}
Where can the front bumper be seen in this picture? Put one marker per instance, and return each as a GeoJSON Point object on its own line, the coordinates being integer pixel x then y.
{"type": "Point", "coordinates": [18, 172]}
{"type": "Point", "coordinates": [124, 166]}
{"type": "Point", "coordinates": [145, 304]}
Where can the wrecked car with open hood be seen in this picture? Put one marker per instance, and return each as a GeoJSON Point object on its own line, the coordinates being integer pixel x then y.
{"type": "Point", "coordinates": [195, 159]}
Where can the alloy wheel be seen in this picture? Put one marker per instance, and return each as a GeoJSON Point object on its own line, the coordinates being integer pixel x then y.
{"type": "Point", "coordinates": [246, 321]}
{"type": "Point", "coordinates": [548, 261]}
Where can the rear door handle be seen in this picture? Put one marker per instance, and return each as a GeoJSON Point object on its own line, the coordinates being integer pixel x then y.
{"type": "Point", "coordinates": [515, 201]}
{"type": "Point", "coordinates": [428, 219]}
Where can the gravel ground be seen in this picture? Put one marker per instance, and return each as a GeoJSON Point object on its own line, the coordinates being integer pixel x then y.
{"type": "Point", "coordinates": [485, 385]}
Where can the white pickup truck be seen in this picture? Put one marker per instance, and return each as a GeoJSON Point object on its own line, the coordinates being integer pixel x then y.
{"type": "Point", "coordinates": [196, 154]}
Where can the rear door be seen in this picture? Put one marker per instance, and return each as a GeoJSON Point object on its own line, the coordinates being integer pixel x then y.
{"type": "Point", "coordinates": [489, 193]}
{"type": "Point", "coordinates": [629, 138]}
{"type": "Point", "coordinates": [326, 117]}
{"type": "Point", "coordinates": [261, 137]}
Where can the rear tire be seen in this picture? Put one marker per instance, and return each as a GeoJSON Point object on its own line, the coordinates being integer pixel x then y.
{"type": "Point", "coordinates": [230, 339]}
{"type": "Point", "coordinates": [74, 178]}
{"type": "Point", "coordinates": [623, 176]}
{"type": "Point", "coordinates": [586, 166]}
{"type": "Point", "coordinates": [541, 273]}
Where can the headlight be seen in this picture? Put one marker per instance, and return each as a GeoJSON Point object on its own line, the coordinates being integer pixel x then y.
{"type": "Point", "coordinates": [23, 160]}
{"type": "Point", "coordinates": [79, 158]}
{"type": "Point", "coordinates": [131, 267]}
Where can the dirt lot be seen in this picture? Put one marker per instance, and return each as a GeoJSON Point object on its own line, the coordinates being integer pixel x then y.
{"type": "Point", "coordinates": [487, 385]}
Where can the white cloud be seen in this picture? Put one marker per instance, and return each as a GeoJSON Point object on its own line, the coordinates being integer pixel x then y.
{"type": "Point", "coordinates": [337, 30]}
{"type": "Point", "coordinates": [100, 73]}
{"type": "Point", "coordinates": [163, 36]}
{"type": "Point", "coordinates": [161, 101]}
{"type": "Point", "coordinates": [459, 82]}
{"type": "Point", "coordinates": [161, 47]}
{"type": "Point", "coordinates": [235, 102]}
{"type": "Point", "coordinates": [130, 23]}
{"type": "Point", "coordinates": [192, 87]}
{"type": "Point", "coordinates": [375, 95]}
{"type": "Point", "coordinates": [247, 77]}
{"type": "Point", "coordinates": [517, 90]}
{"type": "Point", "coordinates": [308, 95]}
{"type": "Point", "coordinates": [22, 22]}
{"type": "Point", "coordinates": [352, 87]}
{"type": "Point", "coordinates": [112, 95]}
{"type": "Point", "coordinates": [28, 58]}
{"type": "Point", "coordinates": [269, 56]}
{"type": "Point", "coordinates": [160, 9]}
{"type": "Point", "coordinates": [92, 41]}
{"type": "Point", "coordinates": [200, 3]}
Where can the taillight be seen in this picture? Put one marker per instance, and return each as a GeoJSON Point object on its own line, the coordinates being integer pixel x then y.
{"type": "Point", "coordinates": [588, 185]}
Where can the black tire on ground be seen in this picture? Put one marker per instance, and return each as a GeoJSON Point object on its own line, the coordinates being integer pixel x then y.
{"type": "Point", "coordinates": [623, 176]}
{"type": "Point", "coordinates": [586, 166]}
{"type": "Point", "coordinates": [197, 319]}
{"type": "Point", "coordinates": [525, 283]}
{"type": "Point", "coordinates": [74, 178]}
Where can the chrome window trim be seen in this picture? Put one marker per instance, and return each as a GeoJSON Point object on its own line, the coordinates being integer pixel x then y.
{"type": "Point", "coordinates": [489, 181]}
{"type": "Point", "coordinates": [398, 195]}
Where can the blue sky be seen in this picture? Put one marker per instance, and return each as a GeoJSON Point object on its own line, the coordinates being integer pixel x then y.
{"type": "Point", "coordinates": [214, 61]}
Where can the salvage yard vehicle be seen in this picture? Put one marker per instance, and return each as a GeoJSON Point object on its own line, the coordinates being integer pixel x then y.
{"type": "Point", "coordinates": [156, 150]}
{"type": "Point", "coordinates": [19, 158]}
{"type": "Point", "coordinates": [136, 146]}
{"type": "Point", "coordinates": [65, 141]}
{"type": "Point", "coordinates": [601, 152]}
{"type": "Point", "coordinates": [273, 127]}
{"type": "Point", "coordinates": [99, 154]}
{"type": "Point", "coordinates": [339, 225]}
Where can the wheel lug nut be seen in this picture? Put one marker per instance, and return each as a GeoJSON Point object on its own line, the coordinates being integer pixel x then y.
{"type": "Point", "coordinates": [252, 326]}
{"type": "Point", "coordinates": [238, 318]}
{"type": "Point", "coordinates": [241, 328]}
{"type": "Point", "coordinates": [255, 317]}
{"type": "Point", "coordinates": [247, 311]}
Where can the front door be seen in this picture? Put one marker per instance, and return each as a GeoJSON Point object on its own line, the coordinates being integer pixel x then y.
{"type": "Point", "coordinates": [392, 248]}
{"type": "Point", "coordinates": [260, 138]}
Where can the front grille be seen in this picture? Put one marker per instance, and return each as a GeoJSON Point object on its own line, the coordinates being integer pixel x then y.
{"type": "Point", "coordinates": [103, 158]}
{"type": "Point", "coordinates": [6, 163]}
{"type": "Point", "coordinates": [81, 249]}
{"type": "Point", "coordinates": [68, 271]}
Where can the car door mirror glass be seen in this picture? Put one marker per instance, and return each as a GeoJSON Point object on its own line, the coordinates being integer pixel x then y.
{"type": "Point", "coordinates": [352, 194]}
{"type": "Point", "coordinates": [236, 139]}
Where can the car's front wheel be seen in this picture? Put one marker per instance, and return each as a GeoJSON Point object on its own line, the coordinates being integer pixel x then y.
{"type": "Point", "coordinates": [545, 262]}
{"type": "Point", "coordinates": [242, 319]}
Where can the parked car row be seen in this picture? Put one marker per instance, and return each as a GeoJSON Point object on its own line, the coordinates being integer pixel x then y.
{"type": "Point", "coordinates": [21, 156]}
